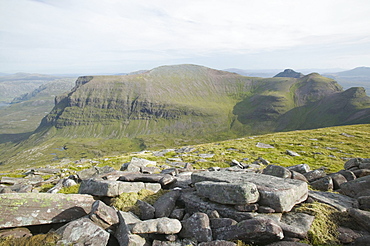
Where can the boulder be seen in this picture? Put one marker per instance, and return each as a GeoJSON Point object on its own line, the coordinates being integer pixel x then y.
{"type": "Point", "coordinates": [264, 146]}
{"type": "Point", "coordinates": [292, 153]}
{"type": "Point", "coordinates": [323, 184]}
{"type": "Point", "coordinates": [258, 231]}
{"type": "Point", "coordinates": [166, 203]}
{"type": "Point", "coordinates": [130, 219]}
{"type": "Point", "coordinates": [315, 175]}
{"type": "Point", "coordinates": [361, 172]}
{"type": "Point", "coordinates": [338, 201]}
{"type": "Point", "coordinates": [279, 194]}
{"type": "Point", "coordinates": [159, 226]}
{"type": "Point", "coordinates": [347, 235]}
{"type": "Point", "coordinates": [338, 179]}
{"type": "Point", "coordinates": [221, 222]}
{"type": "Point", "coordinates": [298, 176]}
{"type": "Point", "coordinates": [364, 202]}
{"type": "Point", "coordinates": [103, 215]}
{"type": "Point", "coordinates": [178, 213]}
{"type": "Point", "coordinates": [349, 175]}
{"type": "Point", "coordinates": [287, 243]}
{"type": "Point", "coordinates": [123, 234]}
{"type": "Point", "coordinates": [136, 164]}
{"type": "Point", "coordinates": [361, 217]}
{"type": "Point", "coordinates": [300, 168]}
{"type": "Point", "coordinates": [94, 171]}
{"type": "Point", "coordinates": [112, 188]}
{"type": "Point", "coordinates": [228, 193]}
{"type": "Point", "coordinates": [15, 233]}
{"type": "Point", "coordinates": [163, 179]}
{"type": "Point", "coordinates": [277, 171]}
{"type": "Point", "coordinates": [147, 211]}
{"type": "Point", "coordinates": [218, 243]}
{"type": "Point", "coordinates": [247, 207]}
{"type": "Point", "coordinates": [355, 187]}
{"type": "Point", "coordinates": [296, 225]}
{"type": "Point", "coordinates": [24, 209]}
{"type": "Point", "coordinates": [197, 227]}
{"type": "Point", "coordinates": [82, 232]}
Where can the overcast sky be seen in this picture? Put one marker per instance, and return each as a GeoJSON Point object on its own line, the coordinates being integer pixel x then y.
{"type": "Point", "coordinates": [116, 36]}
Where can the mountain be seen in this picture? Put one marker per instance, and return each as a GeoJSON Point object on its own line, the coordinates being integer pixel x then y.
{"type": "Point", "coordinates": [357, 77]}
{"type": "Point", "coordinates": [290, 73]}
{"type": "Point", "coordinates": [264, 73]}
{"type": "Point", "coordinates": [181, 105]}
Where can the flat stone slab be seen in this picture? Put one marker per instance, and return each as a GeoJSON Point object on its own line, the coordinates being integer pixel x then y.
{"type": "Point", "coordinates": [338, 201]}
{"type": "Point", "coordinates": [24, 209]}
{"type": "Point", "coordinates": [277, 193]}
{"type": "Point", "coordinates": [227, 193]}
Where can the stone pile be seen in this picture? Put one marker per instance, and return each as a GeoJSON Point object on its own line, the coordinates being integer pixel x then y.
{"type": "Point", "coordinates": [202, 207]}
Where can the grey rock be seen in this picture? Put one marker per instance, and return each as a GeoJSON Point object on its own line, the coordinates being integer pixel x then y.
{"type": "Point", "coordinates": [247, 207]}
{"type": "Point", "coordinates": [264, 146]}
{"type": "Point", "coordinates": [265, 210]}
{"type": "Point", "coordinates": [166, 203]}
{"type": "Point", "coordinates": [112, 188]}
{"type": "Point", "coordinates": [296, 225]}
{"type": "Point", "coordinates": [136, 163]}
{"type": "Point", "coordinates": [356, 187]}
{"type": "Point", "coordinates": [147, 211]}
{"type": "Point", "coordinates": [124, 236]}
{"type": "Point", "coordinates": [323, 184]}
{"type": "Point", "coordinates": [193, 203]}
{"type": "Point", "coordinates": [347, 235]}
{"type": "Point", "coordinates": [206, 155]}
{"type": "Point", "coordinates": [237, 163]}
{"type": "Point", "coordinates": [338, 201]}
{"type": "Point", "coordinates": [150, 170]}
{"type": "Point", "coordinates": [197, 226]}
{"type": "Point", "coordinates": [103, 215]}
{"type": "Point", "coordinates": [82, 232]}
{"type": "Point", "coordinates": [160, 225]}
{"type": "Point", "coordinates": [361, 172]}
{"type": "Point", "coordinates": [355, 162]}
{"type": "Point", "coordinates": [362, 217]}
{"type": "Point", "coordinates": [287, 243]}
{"type": "Point", "coordinates": [25, 181]}
{"type": "Point", "coordinates": [163, 179]}
{"type": "Point", "coordinates": [315, 175]}
{"type": "Point", "coordinates": [94, 171]}
{"type": "Point", "coordinates": [277, 171]}
{"type": "Point", "coordinates": [362, 241]}
{"type": "Point", "coordinates": [16, 232]}
{"type": "Point", "coordinates": [130, 219]}
{"type": "Point", "coordinates": [292, 153]}
{"type": "Point", "coordinates": [364, 202]}
{"type": "Point", "coordinates": [279, 194]}
{"type": "Point", "coordinates": [228, 193]}
{"type": "Point", "coordinates": [298, 176]}
{"type": "Point", "coordinates": [338, 179]}
{"type": "Point", "coordinates": [218, 243]}
{"type": "Point", "coordinates": [222, 222]}
{"type": "Point", "coordinates": [300, 168]}
{"type": "Point", "coordinates": [178, 213]}
{"type": "Point", "coordinates": [24, 209]}
{"type": "Point", "coordinates": [349, 175]}
{"type": "Point", "coordinates": [259, 231]}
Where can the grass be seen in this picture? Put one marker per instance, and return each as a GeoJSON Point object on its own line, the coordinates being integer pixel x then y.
{"type": "Point", "coordinates": [49, 239]}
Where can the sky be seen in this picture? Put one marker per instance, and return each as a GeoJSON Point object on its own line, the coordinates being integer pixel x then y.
{"type": "Point", "coordinates": [118, 36]}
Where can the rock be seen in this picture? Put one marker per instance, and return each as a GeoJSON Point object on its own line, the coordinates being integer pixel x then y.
{"type": "Point", "coordinates": [364, 202]}
{"type": "Point", "coordinates": [279, 194]}
{"type": "Point", "coordinates": [355, 187]}
{"type": "Point", "coordinates": [349, 175]}
{"type": "Point", "coordinates": [237, 163]}
{"type": "Point", "coordinates": [222, 222]}
{"type": "Point", "coordinates": [82, 232]}
{"type": "Point", "coordinates": [323, 184]}
{"type": "Point", "coordinates": [356, 162]}
{"type": "Point", "coordinates": [247, 207]}
{"type": "Point", "coordinates": [265, 210]}
{"type": "Point", "coordinates": [296, 225]}
{"type": "Point", "coordinates": [147, 211]}
{"type": "Point", "coordinates": [338, 179]}
{"type": "Point", "coordinates": [150, 170]}
{"type": "Point", "coordinates": [123, 234]}
{"type": "Point", "coordinates": [103, 215]}
{"type": "Point", "coordinates": [338, 201]}
{"type": "Point", "coordinates": [258, 231]}
{"type": "Point", "coordinates": [361, 172]}
{"type": "Point", "coordinates": [166, 203]}
{"type": "Point", "coordinates": [129, 218]}
{"type": "Point", "coordinates": [315, 175]}
{"type": "Point", "coordinates": [25, 181]}
{"type": "Point", "coordinates": [292, 153]}
{"type": "Point", "coordinates": [194, 203]}
{"type": "Point", "coordinates": [94, 171]}
{"type": "Point", "coordinates": [277, 171]}
{"type": "Point", "coordinates": [15, 233]}
{"type": "Point", "coordinates": [362, 241]}
{"type": "Point", "coordinates": [114, 188]}
{"type": "Point", "coordinates": [197, 227]}
{"type": "Point", "coordinates": [163, 179]}
{"type": "Point", "coordinates": [160, 225]}
{"type": "Point", "coordinates": [178, 214]}
{"type": "Point", "coordinates": [298, 176]}
{"type": "Point", "coordinates": [264, 146]}
{"type": "Point", "coordinates": [261, 160]}
{"type": "Point", "coordinates": [362, 217]}
{"type": "Point", "coordinates": [218, 243]}
{"type": "Point", "coordinates": [24, 209]}
{"type": "Point", "coordinates": [228, 193]}
{"type": "Point", "coordinates": [347, 235]}
{"type": "Point", "coordinates": [136, 163]}
{"type": "Point", "coordinates": [287, 243]}
{"type": "Point", "coordinates": [206, 155]}
{"type": "Point", "coordinates": [300, 168]}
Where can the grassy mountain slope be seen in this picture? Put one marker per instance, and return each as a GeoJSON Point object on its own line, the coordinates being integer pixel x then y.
{"type": "Point", "coordinates": [180, 105]}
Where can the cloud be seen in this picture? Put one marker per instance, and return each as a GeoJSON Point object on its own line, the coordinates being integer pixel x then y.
{"type": "Point", "coordinates": [161, 31]}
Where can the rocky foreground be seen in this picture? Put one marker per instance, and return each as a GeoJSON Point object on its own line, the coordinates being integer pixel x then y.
{"type": "Point", "coordinates": [254, 203]}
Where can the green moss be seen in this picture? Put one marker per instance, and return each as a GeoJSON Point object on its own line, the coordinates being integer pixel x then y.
{"type": "Point", "coordinates": [323, 230]}
{"type": "Point", "coordinates": [70, 190]}
{"type": "Point", "coordinates": [128, 201]}
{"type": "Point", "coordinates": [49, 239]}
{"type": "Point", "coordinates": [46, 187]}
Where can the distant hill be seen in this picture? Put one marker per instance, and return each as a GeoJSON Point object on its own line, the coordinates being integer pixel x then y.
{"type": "Point", "coordinates": [290, 73]}
{"type": "Point", "coordinates": [185, 104]}
{"type": "Point", "coordinates": [357, 77]}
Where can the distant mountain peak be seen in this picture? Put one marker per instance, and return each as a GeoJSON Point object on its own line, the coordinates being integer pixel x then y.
{"type": "Point", "coordinates": [290, 73]}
